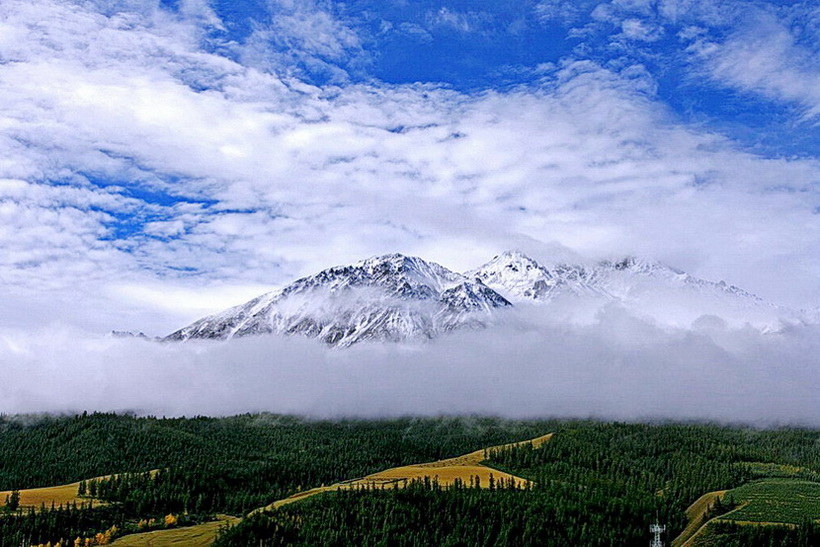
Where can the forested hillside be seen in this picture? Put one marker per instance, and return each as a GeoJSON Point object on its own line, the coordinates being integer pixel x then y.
{"type": "Point", "coordinates": [209, 465]}
{"type": "Point", "coordinates": [593, 483]}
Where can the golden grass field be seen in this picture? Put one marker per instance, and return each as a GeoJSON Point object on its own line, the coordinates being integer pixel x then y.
{"type": "Point", "coordinates": [36, 497]}
{"type": "Point", "coordinates": [466, 467]}
{"type": "Point", "coordinates": [200, 535]}
{"type": "Point", "coordinates": [695, 514]}
{"type": "Point", "coordinates": [445, 472]}
{"type": "Point", "coordinates": [64, 493]}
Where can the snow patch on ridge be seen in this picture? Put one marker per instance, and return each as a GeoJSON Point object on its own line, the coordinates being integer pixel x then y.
{"type": "Point", "coordinates": [394, 298]}
{"type": "Point", "coordinates": [385, 298]}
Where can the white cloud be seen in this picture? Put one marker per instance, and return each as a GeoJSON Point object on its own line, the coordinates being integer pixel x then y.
{"type": "Point", "coordinates": [618, 368]}
{"type": "Point", "coordinates": [703, 12]}
{"type": "Point", "coordinates": [304, 35]}
{"type": "Point", "coordinates": [765, 59]}
{"type": "Point", "coordinates": [635, 29]}
{"type": "Point", "coordinates": [456, 20]}
{"type": "Point", "coordinates": [281, 179]}
{"type": "Point", "coordinates": [755, 47]}
{"type": "Point", "coordinates": [557, 10]}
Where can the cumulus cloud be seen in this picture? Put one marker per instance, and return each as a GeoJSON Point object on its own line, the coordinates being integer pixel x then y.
{"type": "Point", "coordinates": [132, 155]}
{"type": "Point", "coordinates": [616, 367]}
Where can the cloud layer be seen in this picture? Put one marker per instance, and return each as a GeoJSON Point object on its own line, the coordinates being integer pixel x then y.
{"type": "Point", "coordinates": [618, 367]}
{"type": "Point", "coordinates": [159, 164]}
{"type": "Point", "coordinates": [136, 150]}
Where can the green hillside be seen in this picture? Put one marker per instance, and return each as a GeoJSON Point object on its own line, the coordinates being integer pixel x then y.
{"type": "Point", "coordinates": [593, 483]}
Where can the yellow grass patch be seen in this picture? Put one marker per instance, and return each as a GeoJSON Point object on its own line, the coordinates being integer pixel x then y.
{"type": "Point", "coordinates": [200, 535]}
{"type": "Point", "coordinates": [696, 513]}
{"type": "Point", "coordinates": [444, 471]}
{"type": "Point", "coordinates": [36, 497]}
{"type": "Point", "coordinates": [759, 523]}
{"type": "Point", "coordinates": [445, 476]}
{"type": "Point", "coordinates": [475, 458]}
{"type": "Point", "coordinates": [64, 493]}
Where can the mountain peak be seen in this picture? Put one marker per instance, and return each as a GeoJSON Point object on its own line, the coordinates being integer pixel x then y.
{"type": "Point", "coordinates": [515, 275]}
{"type": "Point", "coordinates": [636, 264]}
{"type": "Point", "coordinates": [395, 297]}
{"type": "Point", "coordinates": [396, 262]}
{"type": "Point", "coordinates": [390, 297]}
{"type": "Point", "coordinates": [392, 258]}
{"type": "Point", "coordinates": [512, 256]}
{"type": "Point", "coordinates": [403, 269]}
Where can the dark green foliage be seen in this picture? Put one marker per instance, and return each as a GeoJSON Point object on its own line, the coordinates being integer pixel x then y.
{"type": "Point", "coordinates": [262, 530]}
{"type": "Point", "coordinates": [777, 500]}
{"type": "Point", "coordinates": [631, 468]}
{"type": "Point", "coordinates": [61, 523]}
{"type": "Point", "coordinates": [729, 534]}
{"type": "Point", "coordinates": [425, 514]}
{"type": "Point", "coordinates": [719, 507]}
{"type": "Point", "coordinates": [12, 502]}
{"type": "Point", "coordinates": [229, 464]}
{"type": "Point", "coordinates": [597, 483]}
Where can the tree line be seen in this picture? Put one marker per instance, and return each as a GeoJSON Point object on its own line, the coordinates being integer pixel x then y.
{"type": "Point", "coordinates": [596, 483]}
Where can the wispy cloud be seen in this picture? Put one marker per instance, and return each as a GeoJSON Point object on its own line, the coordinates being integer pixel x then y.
{"type": "Point", "coordinates": [305, 38]}
{"type": "Point", "coordinates": [766, 59]}
{"type": "Point", "coordinates": [137, 152]}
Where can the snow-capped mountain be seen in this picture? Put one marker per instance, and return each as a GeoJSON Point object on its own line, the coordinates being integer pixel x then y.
{"type": "Point", "coordinates": [521, 278]}
{"type": "Point", "coordinates": [396, 297]}
{"type": "Point", "coordinates": [650, 289]}
{"type": "Point", "coordinates": [385, 298]}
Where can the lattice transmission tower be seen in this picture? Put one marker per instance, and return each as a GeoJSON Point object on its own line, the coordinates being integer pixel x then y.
{"type": "Point", "coordinates": [657, 529]}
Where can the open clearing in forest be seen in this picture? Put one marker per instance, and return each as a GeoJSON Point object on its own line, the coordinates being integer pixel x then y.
{"type": "Point", "coordinates": [464, 468]}
{"type": "Point", "coordinates": [779, 502]}
{"type": "Point", "coordinates": [696, 513]}
{"type": "Point", "coordinates": [62, 494]}
{"type": "Point", "coordinates": [200, 535]}
{"type": "Point", "coordinates": [776, 501]}
{"type": "Point", "coordinates": [36, 497]}
{"type": "Point", "coordinates": [445, 471]}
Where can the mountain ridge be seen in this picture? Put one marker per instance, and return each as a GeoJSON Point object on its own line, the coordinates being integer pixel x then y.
{"type": "Point", "coordinates": [383, 298]}
{"type": "Point", "coordinates": [396, 297]}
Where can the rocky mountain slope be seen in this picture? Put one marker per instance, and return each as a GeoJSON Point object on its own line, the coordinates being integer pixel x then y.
{"type": "Point", "coordinates": [385, 298]}
{"type": "Point", "coordinates": [394, 298]}
{"type": "Point", "coordinates": [647, 289]}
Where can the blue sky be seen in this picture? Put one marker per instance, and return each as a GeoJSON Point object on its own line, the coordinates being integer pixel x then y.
{"type": "Point", "coordinates": [161, 160]}
{"type": "Point", "coordinates": [475, 46]}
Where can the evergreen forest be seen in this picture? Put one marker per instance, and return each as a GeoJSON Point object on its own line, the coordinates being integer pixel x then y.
{"type": "Point", "coordinates": [593, 483]}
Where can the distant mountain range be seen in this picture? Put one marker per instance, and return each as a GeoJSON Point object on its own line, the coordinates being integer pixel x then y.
{"type": "Point", "coordinates": [395, 298]}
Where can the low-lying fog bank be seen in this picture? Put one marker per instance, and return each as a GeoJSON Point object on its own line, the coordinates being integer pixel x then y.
{"type": "Point", "coordinates": [619, 367]}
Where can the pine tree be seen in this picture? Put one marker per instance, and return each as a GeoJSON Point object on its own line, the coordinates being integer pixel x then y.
{"type": "Point", "coordinates": [13, 501]}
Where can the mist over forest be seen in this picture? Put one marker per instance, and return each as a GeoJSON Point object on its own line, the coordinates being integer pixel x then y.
{"type": "Point", "coordinates": [617, 367]}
